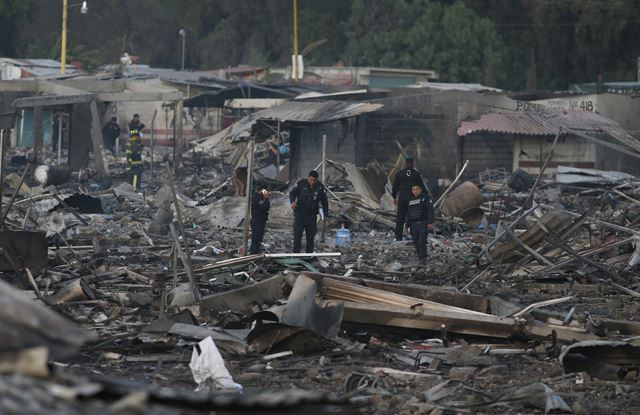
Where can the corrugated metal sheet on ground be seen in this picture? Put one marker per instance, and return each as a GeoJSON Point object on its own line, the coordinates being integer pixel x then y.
{"type": "Point", "coordinates": [315, 112]}
{"type": "Point", "coordinates": [573, 175]}
{"type": "Point", "coordinates": [525, 123]}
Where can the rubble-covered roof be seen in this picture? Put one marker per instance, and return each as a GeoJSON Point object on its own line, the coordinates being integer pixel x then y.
{"type": "Point", "coordinates": [527, 123]}
{"type": "Point", "coordinates": [315, 112]}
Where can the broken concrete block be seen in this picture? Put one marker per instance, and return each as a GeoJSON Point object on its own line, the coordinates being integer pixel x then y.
{"type": "Point", "coordinates": [182, 296]}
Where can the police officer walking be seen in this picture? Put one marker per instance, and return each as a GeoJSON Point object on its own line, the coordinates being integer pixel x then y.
{"type": "Point", "coordinates": [134, 159]}
{"type": "Point", "coordinates": [420, 220]}
{"type": "Point", "coordinates": [259, 214]}
{"type": "Point", "coordinates": [401, 192]}
{"type": "Point", "coordinates": [305, 198]}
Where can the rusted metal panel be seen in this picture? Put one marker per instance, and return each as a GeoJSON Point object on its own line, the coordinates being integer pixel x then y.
{"type": "Point", "coordinates": [542, 124]}
{"type": "Point", "coordinates": [316, 112]}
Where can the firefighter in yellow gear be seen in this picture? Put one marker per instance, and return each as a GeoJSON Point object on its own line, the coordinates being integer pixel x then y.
{"type": "Point", "coordinates": [134, 159]}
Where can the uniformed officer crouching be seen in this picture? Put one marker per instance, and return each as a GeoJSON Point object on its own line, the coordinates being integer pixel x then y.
{"type": "Point", "coordinates": [420, 220]}
{"type": "Point", "coordinates": [306, 197]}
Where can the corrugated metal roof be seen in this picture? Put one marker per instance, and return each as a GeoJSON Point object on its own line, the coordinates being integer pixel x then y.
{"type": "Point", "coordinates": [40, 68]}
{"type": "Point", "coordinates": [453, 86]}
{"type": "Point", "coordinates": [526, 123]}
{"type": "Point", "coordinates": [41, 63]}
{"type": "Point", "coordinates": [315, 112]}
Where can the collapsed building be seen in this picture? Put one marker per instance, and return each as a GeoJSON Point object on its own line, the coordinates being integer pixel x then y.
{"type": "Point", "coordinates": [532, 308]}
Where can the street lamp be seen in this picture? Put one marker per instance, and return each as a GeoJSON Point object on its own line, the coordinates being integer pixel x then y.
{"type": "Point", "coordinates": [183, 35]}
{"type": "Point", "coordinates": [84, 9]}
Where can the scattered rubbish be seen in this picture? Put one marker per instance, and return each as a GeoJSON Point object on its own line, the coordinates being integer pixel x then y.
{"type": "Point", "coordinates": [48, 175]}
{"type": "Point", "coordinates": [209, 370]}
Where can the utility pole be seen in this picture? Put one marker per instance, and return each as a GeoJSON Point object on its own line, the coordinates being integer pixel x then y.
{"type": "Point", "coordinates": [295, 41]}
{"type": "Point", "coordinates": [63, 40]}
{"type": "Point", "coordinates": [183, 35]}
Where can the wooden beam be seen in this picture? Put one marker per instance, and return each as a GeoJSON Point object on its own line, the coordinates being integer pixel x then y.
{"type": "Point", "coordinates": [424, 319]}
{"type": "Point", "coordinates": [339, 290]}
{"type": "Point", "coordinates": [470, 324]}
{"type": "Point", "coordinates": [436, 294]}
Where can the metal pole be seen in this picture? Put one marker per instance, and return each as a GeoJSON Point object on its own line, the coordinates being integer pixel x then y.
{"type": "Point", "coordinates": [324, 156]}
{"type": "Point", "coordinates": [183, 36]}
{"type": "Point", "coordinates": [295, 40]}
{"type": "Point", "coordinates": [248, 194]}
{"type": "Point", "coordinates": [63, 40]}
{"type": "Point", "coordinates": [180, 143]}
{"type": "Point", "coordinates": [153, 121]}
{"type": "Point", "coordinates": [1, 165]}
{"type": "Point", "coordinates": [324, 161]}
{"type": "Point", "coordinates": [59, 138]}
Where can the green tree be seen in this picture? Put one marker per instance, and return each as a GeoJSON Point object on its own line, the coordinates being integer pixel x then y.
{"type": "Point", "coordinates": [421, 34]}
{"type": "Point", "coordinates": [12, 14]}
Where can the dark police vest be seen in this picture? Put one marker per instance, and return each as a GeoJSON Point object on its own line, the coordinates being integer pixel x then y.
{"type": "Point", "coordinates": [309, 198]}
{"type": "Point", "coordinates": [417, 210]}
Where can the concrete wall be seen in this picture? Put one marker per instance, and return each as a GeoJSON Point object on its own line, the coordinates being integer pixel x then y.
{"type": "Point", "coordinates": [426, 124]}
{"type": "Point", "coordinates": [306, 146]}
{"type": "Point", "coordinates": [487, 152]}
{"type": "Point", "coordinates": [623, 109]}
{"type": "Point", "coordinates": [530, 152]}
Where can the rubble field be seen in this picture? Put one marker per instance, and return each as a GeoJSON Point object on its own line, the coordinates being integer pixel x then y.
{"type": "Point", "coordinates": [115, 301]}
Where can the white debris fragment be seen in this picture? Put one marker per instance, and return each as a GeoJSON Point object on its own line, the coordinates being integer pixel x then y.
{"type": "Point", "coordinates": [208, 369]}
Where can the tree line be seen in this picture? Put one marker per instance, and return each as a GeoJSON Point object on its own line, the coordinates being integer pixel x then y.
{"type": "Point", "coordinates": [511, 44]}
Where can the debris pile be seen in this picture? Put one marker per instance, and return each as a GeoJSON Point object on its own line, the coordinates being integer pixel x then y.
{"type": "Point", "coordinates": [529, 302]}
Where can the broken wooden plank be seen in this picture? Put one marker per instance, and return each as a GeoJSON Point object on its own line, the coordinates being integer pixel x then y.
{"type": "Point", "coordinates": [339, 290]}
{"type": "Point", "coordinates": [425, 319]}
{"type": "Point", "coordinates": [436, 294]}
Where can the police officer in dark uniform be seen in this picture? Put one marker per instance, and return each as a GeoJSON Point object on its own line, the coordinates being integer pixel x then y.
{"type": "Point", "coordinates": [111, 132]}
{"type": "Point", "coordinates": [305, 197]}
{"type": "Point", "coordinates": [420, 220]}
{"type": "Point", "coordinates": [259, 214]}
{"type": "Point", "coordinates": [401, 192]}
{"type": "Point", "coordinates": [134, 159]}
